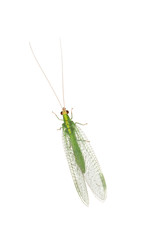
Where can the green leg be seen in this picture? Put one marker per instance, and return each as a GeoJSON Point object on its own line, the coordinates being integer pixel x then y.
{"type": "Point", "coordinates": [71, 113]}
{"type": "Point", "coordinates": [83, 140]}
{"type": "Point", "coordinates": [81, 123]}
{"type": "Point", "coordinates": [57, 116]}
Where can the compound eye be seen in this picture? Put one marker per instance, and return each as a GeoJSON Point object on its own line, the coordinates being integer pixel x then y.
{"type": "Point", "coordinates": [67, 111]}
{"type": "Point", "coordinates": [61, 113]}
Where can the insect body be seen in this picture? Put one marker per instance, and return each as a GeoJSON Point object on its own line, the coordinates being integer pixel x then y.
{"type": "Point", "coordinates": [69, 128]}
{"type": "Point", "coordinates": [82, 161]}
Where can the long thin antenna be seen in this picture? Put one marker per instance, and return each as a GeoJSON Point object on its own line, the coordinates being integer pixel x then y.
{"type": "Point", "coordinates": [62, 73]}
{"type": "Point", "coordinates": [45, 75]}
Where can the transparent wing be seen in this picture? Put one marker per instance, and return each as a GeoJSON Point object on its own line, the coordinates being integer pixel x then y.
{"type": "Point", "coordinates": [77, 175]}
{"type": "Point", "coordinates": [93, 174]}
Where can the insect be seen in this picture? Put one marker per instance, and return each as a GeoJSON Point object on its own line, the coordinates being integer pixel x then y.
{"type": "Point", "coordinates": [82, 161]}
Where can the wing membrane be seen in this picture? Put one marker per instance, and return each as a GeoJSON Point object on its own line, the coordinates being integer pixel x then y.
{"type": "Point", "coordinates": [93, 174]}
{"type": "Point", "coordinates": [78, 177]}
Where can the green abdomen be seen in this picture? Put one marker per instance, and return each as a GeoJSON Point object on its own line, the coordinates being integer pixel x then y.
{"type": "Point", "coordinates": [77, 152]}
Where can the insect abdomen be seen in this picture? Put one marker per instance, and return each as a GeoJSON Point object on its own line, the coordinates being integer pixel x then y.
{"type": "Point", "coordinates": [69, 126]}
{"type": "Point", "coordinates": [77, 153]}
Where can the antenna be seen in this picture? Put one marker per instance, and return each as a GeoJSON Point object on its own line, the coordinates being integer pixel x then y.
{"type": "Point", "coordinates": [62, 72]}
{"type": "Point", "coordinates": [45, 75]}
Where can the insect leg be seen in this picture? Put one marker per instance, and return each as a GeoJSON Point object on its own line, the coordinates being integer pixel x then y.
{"type": "Point", "coordinates": [57, 116]}
{"type": "Point", "coordinates": [71, 113]}
{"type": "Point", "coordinates": [83, 140]}
{"type": "Point", "coordinates": [81, 123]}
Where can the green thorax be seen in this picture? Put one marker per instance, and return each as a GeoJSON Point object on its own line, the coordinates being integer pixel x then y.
{"type": "Point", "coordinates": [68, 123]}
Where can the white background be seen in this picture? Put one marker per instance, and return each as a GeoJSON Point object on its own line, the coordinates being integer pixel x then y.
{"type": "Point", "coordinates": [111, 52]}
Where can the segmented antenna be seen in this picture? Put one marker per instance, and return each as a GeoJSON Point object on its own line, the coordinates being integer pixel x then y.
{"type": "Point", "coordinates": [62, 73]}
{"type": "Point", "coordinates": [46, 76]}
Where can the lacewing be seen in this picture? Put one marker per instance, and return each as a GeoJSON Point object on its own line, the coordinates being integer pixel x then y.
{"type": "Point", "coordinates": [82, 161]}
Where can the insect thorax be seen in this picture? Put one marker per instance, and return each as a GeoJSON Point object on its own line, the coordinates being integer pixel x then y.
{"type": "Point", "coordinates": [68, 124]}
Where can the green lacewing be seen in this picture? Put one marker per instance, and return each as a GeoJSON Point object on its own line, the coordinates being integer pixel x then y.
{"type": "Point", "coordinates": [83, 164]}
